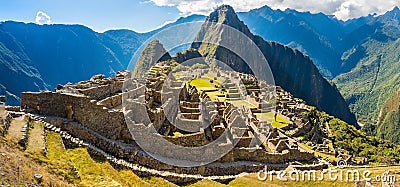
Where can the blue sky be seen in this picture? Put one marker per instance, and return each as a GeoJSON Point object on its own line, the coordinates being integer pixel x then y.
{"type": "Point", "coordinates": [100, 15]}
{"type": "Point", "coordinates": [146, 15]}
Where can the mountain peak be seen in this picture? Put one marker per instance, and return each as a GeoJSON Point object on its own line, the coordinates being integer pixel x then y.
{"type": "Point", "coordinates": [226, 15]}
{"type": "Point", "coordinates": [221, 14]}
{"type": "Point", "coordinates": [391, 17]}
{"type": "Point", "coordinates": [395, 12]}
{"type": "Point", "coordinates": [219, 32]}
{"type": "Point", "coordinates": [154, 52]}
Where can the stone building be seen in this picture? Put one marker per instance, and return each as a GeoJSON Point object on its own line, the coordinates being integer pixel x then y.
{"type": "Point", "coordinates": [105, 111]}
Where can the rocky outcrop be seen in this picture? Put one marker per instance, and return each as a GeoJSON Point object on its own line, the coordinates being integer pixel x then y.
{"type": "Point", "coordinates": [154, 52]}
{"type": "Point", "coordinates": [291, 69]}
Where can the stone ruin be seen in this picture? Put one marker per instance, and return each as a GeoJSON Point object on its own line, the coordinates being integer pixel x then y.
{"type": "Point", "coordinates": [93, 114]}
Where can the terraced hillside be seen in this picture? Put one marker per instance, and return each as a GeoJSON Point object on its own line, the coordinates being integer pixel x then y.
{"type": "Point", "coordinates": [78, 166]}
{"type": "Point", "coordinates": [47, 155]}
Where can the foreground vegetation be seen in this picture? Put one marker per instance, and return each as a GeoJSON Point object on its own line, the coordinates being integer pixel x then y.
{"type": "Point", "coordinates": [347, 137]}
{"type": "Point", "coordinates": [61, 166]}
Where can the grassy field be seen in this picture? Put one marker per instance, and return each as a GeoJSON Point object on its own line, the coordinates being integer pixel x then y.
{"type": "Point", "coordinates": [269, 116]}
{"type": "Point", "coordinates": [201, 84]}
{"type": "Point", "coordinates": [204, 84]}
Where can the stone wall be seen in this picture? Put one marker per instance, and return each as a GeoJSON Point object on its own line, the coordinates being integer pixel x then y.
{"type": "Point", "coordinates": [133, 154]}
{"type": "Point", "coordinates": [259, 155]}
{"type": "Point", "coordinates": [6, 123]}
{"type": "Point", "coordinates": [102, 91]}
{"type": "Point", "coordinates": [110, 124]}
{"type": "Point", "coordinates": [190, 140]}
{"type": "Point", "coordinates": [243, 142]}
{"type": "Point", "coordinates": [189, 110]}
{"type": "Point", "coordinates": [111, 102]}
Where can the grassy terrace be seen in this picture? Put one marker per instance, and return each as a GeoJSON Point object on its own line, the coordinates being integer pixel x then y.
{"type": "Point", "coordinates": [279, 123]}
{"type": "Point", "coordinates": [76, 166]}
{"type": "Point", "coordinates": [326, 157]}
{"type": "Point", "coordinates": [204, 84]}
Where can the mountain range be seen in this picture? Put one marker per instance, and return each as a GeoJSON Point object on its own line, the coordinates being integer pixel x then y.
{"type": "Point", "coordinates": [291, 69]}
{"type": "Point", "coordinates": [360, 55]}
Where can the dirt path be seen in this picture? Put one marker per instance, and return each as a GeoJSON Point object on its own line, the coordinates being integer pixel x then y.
{"type": "Point", "coordinates": [15, 130]}
{"type": "Point", "coordinates": [36, 138]}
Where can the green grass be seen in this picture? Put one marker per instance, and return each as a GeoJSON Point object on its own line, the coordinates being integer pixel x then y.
{"type": "Point", "coordinates": [17, 167]}
{"type": "Point", "coordinates": [176, 133]}
{"type": "Point", "coordinates": [208, 183]}
{"type": "Point", "coordinates": [96, 171]}
{"type": "Point", "coordinates": [217, 94]}
{"type": "Point", "coordinates": [211, 76]}
{"type": "Point", "coordinates": [35, 142]}
{"type": "Point", "coordinates": [57, 159]}
{"type": "Point", "coordinates": [159, 182]}
{"type": "Point", "coordinates": [201, 84]}
{"type": "Point", "coordinates": [269, 116]}
{"type": "Point", "coordinates": [93, 170]}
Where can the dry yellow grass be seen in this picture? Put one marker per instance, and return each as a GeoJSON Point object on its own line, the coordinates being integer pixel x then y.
{"type": "Point", "coordinates": [18, 169]}
{"type": "Point", "coordinates": [208, 183]}
{"type": "Point", "coordinates": [36, 141]}
{"type": "Point", "coordinates": [15, 129]}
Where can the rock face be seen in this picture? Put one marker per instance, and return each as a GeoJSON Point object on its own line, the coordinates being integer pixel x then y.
{"type": "Point", "coordinates": [291, 69]}
{"type": "Point", "coordinates": [154, 52]}
{"type": "Point", "coordinates": [389, 119]}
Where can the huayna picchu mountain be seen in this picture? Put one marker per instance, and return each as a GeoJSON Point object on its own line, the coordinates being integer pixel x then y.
{"type": "Point", "coordinates": [291, 69]}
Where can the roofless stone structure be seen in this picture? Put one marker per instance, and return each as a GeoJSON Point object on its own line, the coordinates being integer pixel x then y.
{"type": "Point", "coordinates": [93, 114]}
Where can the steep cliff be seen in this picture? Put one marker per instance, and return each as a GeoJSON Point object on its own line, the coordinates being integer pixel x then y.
{"type": "Point", "coordinates": [291, 69]}
{"type": "Point", "coordinates": [154, 52]}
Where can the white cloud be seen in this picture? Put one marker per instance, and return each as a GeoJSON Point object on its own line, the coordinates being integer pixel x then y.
{"type": "Point", "coordinates": [42, 18]}
{"type": "Point", "coordinates": [342, 9]}
{"type": "Point", "coordinates": [165, 23]}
